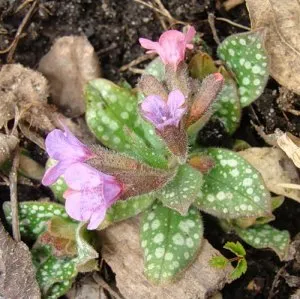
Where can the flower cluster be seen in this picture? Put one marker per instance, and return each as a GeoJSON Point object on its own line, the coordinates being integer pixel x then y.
{"type": "Point", "coordinates": [90, 192]}
{"type": "Point", "coordinates": [170, 106]}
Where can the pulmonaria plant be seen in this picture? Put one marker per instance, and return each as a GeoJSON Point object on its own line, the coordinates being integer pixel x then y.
{"type": "Point", "coordinates": [152, 163]}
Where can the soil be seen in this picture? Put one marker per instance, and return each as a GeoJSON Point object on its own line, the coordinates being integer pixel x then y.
{"type": "Point", "coordinates": [113, 27]}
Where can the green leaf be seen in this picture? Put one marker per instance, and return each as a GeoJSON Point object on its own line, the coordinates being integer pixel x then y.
{"type": "Point", "coordinates": [266, 236]}
{"type": "Point", "coordinates": [202, 65]}
{"type": "Point", "coordinates": [55, 270]}
{"type": "Point", "coordinates": [34, 215]}
{"type": "Point", "coordinates": [219, 262]}
{"type": "Point", "coordinates": [156, 68]}
{"type": "Point", "coordinates": [124, 209]}
{"type": "Point", "coordinates": [112, 116]}
{"type": "Point", "coordinates": [59, 289]}
{"type": "Point", "coordinates": [237, 248]}
{"type": "Point", "coordinates": [227, 105]}
{"type": "Point", "coordinates": [86, 260]}
{"type": "Point", "coordinates": [60, 186]}
{"type": "Point", "coordinates": [233, 188]}
{"type": "Point", "coordinates": [182, 191]}
{"type": "Point", "coordinates": [240, 269]}
{"type": "Point", "coordinates": [170, 242]}
{"type": "Point", "coordinates": [245, 55]}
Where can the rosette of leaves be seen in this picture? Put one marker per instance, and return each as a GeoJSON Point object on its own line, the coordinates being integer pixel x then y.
{"type": "Point", "coordinates": [62, 247]}
{"type": "Point", "coordinates": [214, 180]}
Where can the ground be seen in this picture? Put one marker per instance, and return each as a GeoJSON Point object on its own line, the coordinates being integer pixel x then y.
{"type": "Point", "coordinates": [113, 27]}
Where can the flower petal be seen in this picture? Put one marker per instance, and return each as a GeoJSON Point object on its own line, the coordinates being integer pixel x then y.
{"type": "Point", "coordinates": [54, 172]}
{"type": "Point", "coordinates": [73, 205]}
{"type": "Point", "coordinates": [190, 34]}
{"type": "Point", "coordinates": [154, 109]}
{"type": "Point", "coordinates": [96, 218]}
{"type": "Point", "coordinates": [112, 191]}
{"type": "Point", "coordinates": [80, 175]}
{"type": "Point", "coordinates": [148, 44]}
{"type": "Point", "coordinates": [62, 145]}
{"type": "Point", "coordinates": [175, 101]}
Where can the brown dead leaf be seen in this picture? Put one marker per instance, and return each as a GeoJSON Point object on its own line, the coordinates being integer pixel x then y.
{"type": "Point", "coordinates": [282, 18]}
{"type": "Point", "coordinates": [17, 275]}
{"type": "Point", "coordinates": [276, 169]}
{"type": "Point", "coordinates": [230, 4]}
{"type": "Point", "coordinates": [7, 145]}
{"type": "Point", "coordinates": [27, 91]}
{"type": "Point", "coordinates": [68, 66]}
{"type": "Point", "coordinates": [290, 144]}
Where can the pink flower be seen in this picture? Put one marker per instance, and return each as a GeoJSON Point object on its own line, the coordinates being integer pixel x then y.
{"type": "Point", "coordinates": [90, 193]}
{"type": "Point", "coordinates": [171, 45]}
{"type": "Point", "coordinates": [162, 114]}
{"type": "Point", "coordinates": [64, 147]}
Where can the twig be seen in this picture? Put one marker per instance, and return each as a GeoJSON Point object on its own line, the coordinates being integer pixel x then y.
{"type": "Point", "coordinates": [106, 286]}
{"type": "Point", "coordinates": [136, 70]}
{"type": "Point", "coordinates": [161, 11]}
{"type": "Point", "coordinates": [13, 180]}
{"type": "Point", "coordinates": [279, 273]}
{"type": "Point", "coordinates": [12, 47]}
{"type": "Point", "coordinates": [233, 23]}
{"type": "Point", "coordinates": [211, 22]}
{"type": "Point", "coordinates": [136, 62]}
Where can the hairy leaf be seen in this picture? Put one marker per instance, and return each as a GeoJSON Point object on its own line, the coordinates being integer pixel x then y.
{"type": "Point", "coordinates": [113, 117]}
{"type": "Point", "coordinates": [233, 188]}
{"type": "Point", "coordinates": [182, 191]}
{"type": "Point", "coordinates": [170, 242]}
{"type": "Point", "coordinates": [156, 68]}
{"type": "Point", "coordinates": [124, 209]}
{"type": "Point", "coordinates": [245, 55]}
{"type": "Point", "coordinates": [33, 216]}
{"type": "Point", "coordinates": [266, 236]}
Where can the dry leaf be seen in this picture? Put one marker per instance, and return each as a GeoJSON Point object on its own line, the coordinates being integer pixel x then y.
{"type": "Point", "coordinates": [230, 4]}
{"type": "Point", "coordinates": [26, 90]}
{"type": "Point", "coordinates": [17, 275]}
{"type": "Point", "coordinates": [123, 253]}
{"type": "Point", "coordinates": [290, 144]}
{"type": "Point", "coordinates": [282, 18]}
{"type": "Point", "coordinates": [7, 144]}
{"type": "Point", "coordinates": [68, 66]}
{"type": "Point", "coordinates": [276, 169]}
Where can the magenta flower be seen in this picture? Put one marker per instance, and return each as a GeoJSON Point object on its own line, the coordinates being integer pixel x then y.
{"type": "Point", "coordinates": [90, 193]}
{"type": "Point", "coordinates": [65, 148]}
{"type": "Point", "coordinates": [161, 113]}
{"type": "Point", "coordinates": [171, 45]}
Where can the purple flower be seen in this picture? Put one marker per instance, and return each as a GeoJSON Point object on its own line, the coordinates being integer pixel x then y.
{"type": "Point", "coordinates": [65, 148]}
{"type": "Point", "coordinates": [90, 193]}
{"type": "Point", "coordinates": [161, 113]}
{"type": "Point", "coordinates": [171, 45]}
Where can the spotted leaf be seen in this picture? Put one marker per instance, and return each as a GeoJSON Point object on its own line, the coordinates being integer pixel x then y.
{"type": "Point", "coordinates": [112, 116]}
{"type": "Point", "coordinates": [245, 55]}
{"type": "Point", "coordinates": [60, 186]}
{"type": "Point", "coordinates": [33, 216]}
{"type": "Point", "coordinates": [156, 68]}
{"type": "Point", "coordinates": [170, 242]}
{"type": "Point", "coordinates": [181, 192]}
{"type": "Point", "coordinates": [86, 259]}
{"type": "Point", "coordinates": [266, 236]}
{"type": "Point", "coordinates": [124, 209]}
{"type": "Point", "coordinates": [227, 107]}
{"type": "Point", "coordinates": [233, 188]}
{"type": "Point", "coordinates": [55, 276]}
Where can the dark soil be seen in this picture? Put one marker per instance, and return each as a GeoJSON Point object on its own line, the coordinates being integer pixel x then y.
{"type": "Point", "coordinates": [113, 27]}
